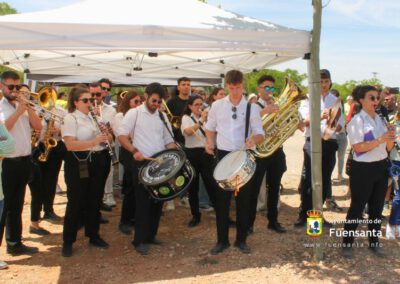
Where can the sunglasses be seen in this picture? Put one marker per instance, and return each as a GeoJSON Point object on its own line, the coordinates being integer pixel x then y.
{"type": "Point", "coordinates": [234, 115]}
{"type": "Point", "coordinates": [372, 98]}
{"type": "Point", "coordinates": [267, 89]}
{"type": "Point", "coordinates": [96, 94]}
{"type": "Point", "coordinates": [12, 87]}
{"type": "Point", "coordinates": [86, 100]}
{"type": "Point", "coordinates": [153, 101]}
{"type": "Point", "coordinates": [105, 89]}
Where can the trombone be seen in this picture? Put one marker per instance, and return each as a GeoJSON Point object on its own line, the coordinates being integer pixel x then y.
{"type": "Point", "coordinates": [42, 102]}
{"type": "Point", "coordinates": [175, 121]}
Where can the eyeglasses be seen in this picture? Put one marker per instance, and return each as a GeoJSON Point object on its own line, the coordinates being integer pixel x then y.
{"type": "Point", "coordinates": [105, 89]}
{"type": "Point", "coordinates": [234, 115]}
{"type": "Point", "coordinates": [198, 104]}
{"type": "Point", "coordinates": [86, 100]}
{"type": "Point", "coordinates": [372, 98]}
{"type": "Point", "coordinates": [96, 94]}
{"type": "Point", "coordinates": [267, 89]}
{"type": "Point", "coordinates": [12, 87]}
{"type": "Point", "coordinates": [153, 101]}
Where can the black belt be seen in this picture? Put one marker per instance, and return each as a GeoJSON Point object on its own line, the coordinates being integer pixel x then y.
{"type": "Point", "coordinates": [308, 139]}
{"type": "Point", "coordinates": [22, 158]}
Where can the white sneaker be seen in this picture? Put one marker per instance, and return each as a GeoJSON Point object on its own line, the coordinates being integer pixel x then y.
{"type": "Point", "coordinates": [3, 265]}
{"type": "Point", "coordinates": [170, 205]}
{"type": "Point", "coordinates": [109, 200]}
{"type": "Point", "coordinates": [390, 232]}
{"type": "Point", "coordinates": [185, 202]}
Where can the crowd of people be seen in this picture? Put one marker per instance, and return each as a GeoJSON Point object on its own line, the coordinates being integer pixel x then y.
{"type": "Point", "coordinates": [88, 133]}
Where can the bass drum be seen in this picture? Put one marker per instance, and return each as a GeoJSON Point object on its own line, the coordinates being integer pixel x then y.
{"type": "Point", "coordinates": [235, 170]}
{"type": "Point", "coordinates": [167, 177]}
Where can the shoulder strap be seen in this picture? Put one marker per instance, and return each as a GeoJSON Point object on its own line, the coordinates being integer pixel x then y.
{"type": "Point", "coordinates": [166, 126]}
{"type": "Point", "coordinates": [200, 128]}
{"type": "Point", "coordinates": [248, 109]}
{"type": "Point", "coordinates": [259, 104]}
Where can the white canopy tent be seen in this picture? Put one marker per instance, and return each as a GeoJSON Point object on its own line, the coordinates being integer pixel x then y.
{"type": "Point", "coordinates": [144, 39]}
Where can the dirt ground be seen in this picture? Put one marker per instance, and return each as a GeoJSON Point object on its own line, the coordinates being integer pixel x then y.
{"type": "Point", "coordinates": [184, 256]}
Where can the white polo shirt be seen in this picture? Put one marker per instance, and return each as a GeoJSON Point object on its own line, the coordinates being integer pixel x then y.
{"type": "Point", "coordinates": [147, 131]}
{"type": "Point", "coordinates": [80, 126]}
{"type": "Point", "coordinates": [364, 128]}
{"type": "Point", "coordinates": [327, 102]}
{"type": "Point", "coordinates": [21, 132]}
{"type": "Point", "coordinates": [192, 141]}
{"type": "Point", "coordinates": [230, 132]}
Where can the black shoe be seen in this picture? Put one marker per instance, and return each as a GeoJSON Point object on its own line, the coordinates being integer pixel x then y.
{"type": "Point", "coordinates": [301, 222]}
{"type": "Point", "coordinates": [51, 216]}
{"type": "Point", "coordinates": [38, 231]}
{"type": "Point", "coordinates": [347, 252]}
{"type": "Point", "coordinates": [243, 247]}
{"type": "Point", "coordinates": [125, 229]}
{"type": "Point", "coordinates": [103, 220]}
{"type": "Point", "coordinates": [250, 231]}
{"type": "Point", "coordinates": [105, 207]}
{"type": "Point", "coordinates": [277, 227]}
{"type": "Point", "coordinates": [155, 242]}
{"type": "Point", "coordinates": [142, 249]}
{"type": "Point", "coordinates": [20, 248]}
{"type": "Point", "coordinates": [219, 248]}
{"type": "Point", "coordinates": [99, 242]}
{"type": "Point", "coordinates": [194, 222]}
{"type": "Point", "coordinates": [377, 250]}
{"type": "Point", "coordinates": [232, 223]}
{"type": "Point", "coordinates": [66, 250]}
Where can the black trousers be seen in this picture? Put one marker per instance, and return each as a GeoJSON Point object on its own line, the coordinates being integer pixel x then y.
{"type": "Point", "coordinates": [84, 193]}
{"type": "Point", "coordinates": [128, 203]}
{"type": "Point", "coordinates": [222, 204]}
{"type": "Point", "coordinates": [368, 184]}
{"type": "Point", "coordinates": [37, 191]}
{"type": "Point", "coordinates": [148, 210]}
{"type": "Point", "coordinates": [14, 176]}
{"type": "Point", "coordinates": [50, 170]}
{"type": "Point", "coordinates": [272, 168]}
{"type": "Point", "coordinates": [203, 164]}
{"type": "Point", "coordinates": [329, 149]}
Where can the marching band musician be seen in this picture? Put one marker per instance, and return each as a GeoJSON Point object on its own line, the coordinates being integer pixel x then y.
{"type": "Point", "coordinates": [370, 139]}
{"type": "Point", "coordinates": [227, 121]}
{"type": "Point", "coordinates": [272, 167]}
{"type": "Point", "coordinates": [329, 148]}
{"type": "Point", "coordinates": [144, 133]}
{"type": "Point", "coordinates": [87, 165]}
{"type": "Point", "coordinates": [18, 118]}
{"type": "Point", "coordinates": [106, 113]}
{"type": "Point", "coordinates": [192, 130]}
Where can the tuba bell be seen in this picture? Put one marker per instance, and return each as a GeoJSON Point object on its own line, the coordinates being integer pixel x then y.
{"type": "Point", "coordinates": [279, 126]}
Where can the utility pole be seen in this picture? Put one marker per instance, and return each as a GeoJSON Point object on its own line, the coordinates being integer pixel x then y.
{"type": "Point", "coordinates": [314, 82]}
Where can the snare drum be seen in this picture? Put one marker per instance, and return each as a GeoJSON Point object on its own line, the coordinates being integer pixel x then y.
{"type": "Point", "coordinates": [168, 176]}
{"type": "Point", "coordinates": [235, 170]}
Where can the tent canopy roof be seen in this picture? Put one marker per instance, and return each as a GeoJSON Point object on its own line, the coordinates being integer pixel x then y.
{"type": "Point", "coordinates": [144, 39]}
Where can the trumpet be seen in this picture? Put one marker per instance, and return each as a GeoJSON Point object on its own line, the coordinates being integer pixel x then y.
{"type": "Point", "coordinates": [176, 121]}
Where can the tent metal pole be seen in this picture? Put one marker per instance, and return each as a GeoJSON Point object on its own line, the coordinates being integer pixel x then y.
{"type": "Point", "coordinates": [315, 114]}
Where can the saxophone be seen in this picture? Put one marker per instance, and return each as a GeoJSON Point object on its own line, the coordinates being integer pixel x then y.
{"type": "Point", "coordinates": [279, 126]}
{"type": "Point", "coordinates": [49, 141]}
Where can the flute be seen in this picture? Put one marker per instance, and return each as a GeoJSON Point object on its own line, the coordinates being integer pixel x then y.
{"type": "Point", "coordinates": [110, 150]}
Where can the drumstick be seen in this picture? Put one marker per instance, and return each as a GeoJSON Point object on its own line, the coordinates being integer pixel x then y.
{"type": "Point", "coordinates": [197, 136]}
{"type": "Point", "coordinates": [241, 149]}
{"type": "Point", "coordinates": [157, 160]}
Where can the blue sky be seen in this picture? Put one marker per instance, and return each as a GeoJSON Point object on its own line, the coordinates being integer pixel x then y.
{"type": "Point", "coordinates": [358, 36]}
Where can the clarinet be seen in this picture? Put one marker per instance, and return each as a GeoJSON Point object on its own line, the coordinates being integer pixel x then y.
{"type": "Point", "coordinates": [110, 150]}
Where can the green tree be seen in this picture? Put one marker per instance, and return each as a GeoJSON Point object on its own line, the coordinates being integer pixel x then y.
{"type": "Point", "coordinates": [347, 87]}
{"type": "Point", "coordinates": [6, 9]}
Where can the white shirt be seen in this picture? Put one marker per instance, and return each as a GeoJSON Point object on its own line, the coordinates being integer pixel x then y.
{"type": "Point", "coordinates": [80, 126]}
{"type": "Point", "coordinates": [230, 132]}
{"type": "Point", "coordinates": [192, 141]}
{"type": "Point", "coordinates": [58, 110]}
{"type": "Point", "coordinates": [115, 124]}
{"type": "Point", "coordinates": [327, 102]}
{"type": "Point", "coordinates": [364, 128]}
{"type": "Point", "coordinates": [148, 133]}
{"type": "Point", "coordinates": [106, 113]}
{"type": "Point", "coordinates": [21, 132]}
